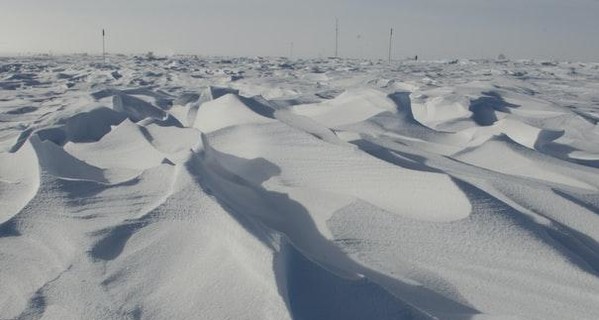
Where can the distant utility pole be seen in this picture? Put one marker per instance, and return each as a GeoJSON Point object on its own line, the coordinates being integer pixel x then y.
{"type": "Point", "coordinates": [390, 44]}
{"type": "Point", "coordinates": [336, 37]}
{"type": "Point", "coordinates": [103, 46]}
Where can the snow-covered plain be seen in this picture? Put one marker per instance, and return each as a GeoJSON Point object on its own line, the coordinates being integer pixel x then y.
{"type": "Point", "coordinates": [210, 188]}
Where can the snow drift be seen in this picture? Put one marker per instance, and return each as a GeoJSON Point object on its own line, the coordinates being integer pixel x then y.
{"type": "Point", "coordinates": [273, 189]}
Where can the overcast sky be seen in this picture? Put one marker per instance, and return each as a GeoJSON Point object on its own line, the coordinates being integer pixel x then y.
{"type": "Point", "coordinates": [433, 29]}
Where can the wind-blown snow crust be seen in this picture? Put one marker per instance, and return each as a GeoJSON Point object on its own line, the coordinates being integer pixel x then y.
{"type": "Point", "coordinates": [191, 188]}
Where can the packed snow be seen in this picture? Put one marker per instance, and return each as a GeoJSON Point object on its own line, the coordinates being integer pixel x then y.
{"type": "Point", "coordinates": [266, 188]}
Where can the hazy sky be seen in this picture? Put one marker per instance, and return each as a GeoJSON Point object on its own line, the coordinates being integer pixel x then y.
{"type": "Point", "coordinates": [546, 29]}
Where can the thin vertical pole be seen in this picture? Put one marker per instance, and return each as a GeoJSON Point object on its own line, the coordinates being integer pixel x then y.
{"type": "Point", "coordinates": [336, 37]}
{"type": "Point", "coordinates": [103, 46]}
{"type": "Point", "coordinates": [291, 51]}
{"type": "Point", "coordinates": [390, 44]}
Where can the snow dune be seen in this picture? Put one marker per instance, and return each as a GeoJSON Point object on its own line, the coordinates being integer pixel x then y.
{"type": "Point", "coordinates": [260, 188]}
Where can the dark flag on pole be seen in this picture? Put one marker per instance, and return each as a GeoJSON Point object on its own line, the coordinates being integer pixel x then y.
{"type": "Point", "coordinates": [102, 32]}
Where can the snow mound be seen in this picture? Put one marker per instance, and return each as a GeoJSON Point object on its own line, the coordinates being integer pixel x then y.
{"type": "Point", "coordinates": [504, 155]}
{"type": "Point", "coordinates": [57, 162]}
{"type": "Point", "coordinates": [342, 170]}
{"type": "Point", "coordinates": [124, 147]}
{"type": "Point", "coordinates": [228, 110]}
{"type": "Point", "coordinates": [19, 181]}
{"type": "Point", "coordinates": [349, 107]}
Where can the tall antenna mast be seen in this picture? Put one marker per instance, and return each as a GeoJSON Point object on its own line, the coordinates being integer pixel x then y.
{"type": "Point", "coordinates": [103, 46]}
{"type": "Point", "coordinates": [336, 37]}
{"type": "Point", "coordinates": [390, 44]}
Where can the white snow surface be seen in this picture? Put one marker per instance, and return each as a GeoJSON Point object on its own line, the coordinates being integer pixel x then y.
{"type": "Point", "coordinates": [265, 188]}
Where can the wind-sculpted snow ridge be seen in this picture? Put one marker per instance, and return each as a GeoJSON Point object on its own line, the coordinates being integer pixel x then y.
{"type": "Point", "coordinates": [262, 188]}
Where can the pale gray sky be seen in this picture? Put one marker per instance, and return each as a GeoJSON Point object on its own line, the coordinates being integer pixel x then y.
{"type": "Point", "coordinates": [433, 29]}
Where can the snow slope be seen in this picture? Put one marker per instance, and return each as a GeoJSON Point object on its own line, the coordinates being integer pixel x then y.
{"type": "Point", "coordinates": [263, 188]}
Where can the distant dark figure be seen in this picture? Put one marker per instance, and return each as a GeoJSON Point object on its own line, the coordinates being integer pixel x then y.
{"type": "Point", "coordinates": [416, 58]}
